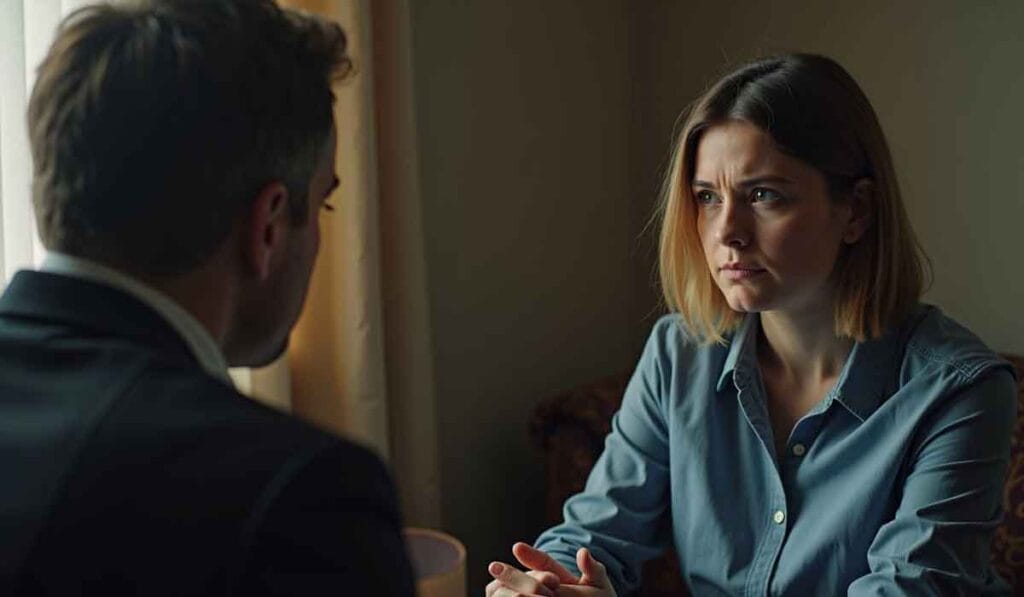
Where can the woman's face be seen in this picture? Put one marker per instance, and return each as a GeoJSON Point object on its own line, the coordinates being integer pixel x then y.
{"type": "Point", "coordinates": [771, 233]}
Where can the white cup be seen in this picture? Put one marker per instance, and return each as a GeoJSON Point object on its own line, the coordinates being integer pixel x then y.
{"type": "Point", "coordinates": [438, 561]}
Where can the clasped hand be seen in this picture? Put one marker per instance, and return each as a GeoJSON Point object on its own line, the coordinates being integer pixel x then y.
{"type": "Point", "coordinates": [547, 578]}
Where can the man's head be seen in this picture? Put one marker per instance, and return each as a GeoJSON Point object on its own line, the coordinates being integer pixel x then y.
{"type": "Point", "coordinates": [157, 127]}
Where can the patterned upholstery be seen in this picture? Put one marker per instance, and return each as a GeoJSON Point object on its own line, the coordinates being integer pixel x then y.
{"type": "Point", "coordinates": [1008, 544]}
{"type": "Point", "coordinates": [570, 429]}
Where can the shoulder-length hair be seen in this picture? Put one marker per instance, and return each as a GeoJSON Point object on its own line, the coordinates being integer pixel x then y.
{"type": "Point", "coordinates": [814, 111]}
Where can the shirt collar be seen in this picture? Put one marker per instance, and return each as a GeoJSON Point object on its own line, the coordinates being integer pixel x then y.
{"type": "Point", "coordinates": [870, 371]}
{"type": "Point", "coordinates": [742, 349]}
{"type": "Point", "coordinates": [196, 337]}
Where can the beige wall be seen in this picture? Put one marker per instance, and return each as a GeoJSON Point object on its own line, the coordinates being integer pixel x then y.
{"type": "Point", "coordinates": [523, 132]}
{"type": "Point", "coordinates": [946, 81]}
{"type": "Point", "coordinates": [542, 129]}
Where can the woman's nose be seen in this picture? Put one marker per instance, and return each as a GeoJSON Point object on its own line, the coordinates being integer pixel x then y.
{"type": "Point", "coordinates": [733, 227]}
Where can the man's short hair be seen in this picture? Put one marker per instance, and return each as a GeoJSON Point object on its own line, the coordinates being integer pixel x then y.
{"type": "Point", "coordinates": [154, 122]}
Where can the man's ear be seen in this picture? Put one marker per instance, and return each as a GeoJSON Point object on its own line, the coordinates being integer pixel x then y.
{"type": "Point", "coordinates": [862, 201]}
{"type": "Point", "coordinates": [266, 232]}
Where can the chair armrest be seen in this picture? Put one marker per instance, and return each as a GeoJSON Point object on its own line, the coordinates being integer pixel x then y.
{"type": "Point", "coordinates": [570, 429]}
{"type": "Point", "coordinates": [1008, 542]}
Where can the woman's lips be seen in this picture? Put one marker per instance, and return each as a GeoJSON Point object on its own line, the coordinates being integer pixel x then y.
{"type": "Point", "coordinates": [740, 272]}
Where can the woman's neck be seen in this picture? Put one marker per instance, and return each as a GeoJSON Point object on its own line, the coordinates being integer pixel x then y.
{"type": "Point", "coordinates": [802, 347]}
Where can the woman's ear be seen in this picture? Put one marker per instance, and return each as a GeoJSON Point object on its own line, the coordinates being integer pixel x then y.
{"type": "Point", "coordinates": [266, 229]}
{"type": "Point", "coordinates": [862, 201]}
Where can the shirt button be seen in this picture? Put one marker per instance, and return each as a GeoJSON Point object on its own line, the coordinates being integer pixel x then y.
{"type": "Point", "coordinates": [799, 449]}
{"type": "Point", "coordinates": [779, 517]}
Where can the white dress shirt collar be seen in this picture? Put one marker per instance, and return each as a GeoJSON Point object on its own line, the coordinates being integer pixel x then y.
{"type": "Point", "coordinates": [198, 339]}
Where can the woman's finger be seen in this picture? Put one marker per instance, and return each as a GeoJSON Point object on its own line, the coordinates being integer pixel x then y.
{"type": "Point", "coordinates": [594, 572]}
{"type": "Point", "coordinates": [491, 587]}
{"type": "Point", "coordinates": [517, 580]}
{"type": "Point", "coordinates": [548, 579]}
{"type": "Point", "coordinates": [535, 559]}
{"type": "Point", "coordinates": [496, 589]}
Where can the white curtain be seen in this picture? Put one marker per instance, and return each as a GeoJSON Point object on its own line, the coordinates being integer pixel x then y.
{"type": "Point", "coordinates": [26, 29]}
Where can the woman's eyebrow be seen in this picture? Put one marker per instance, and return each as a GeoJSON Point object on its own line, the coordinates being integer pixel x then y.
{"type": "Point", "coordinates": [758, 180]}
{"type": "Point", "coordinates": [748, 182]}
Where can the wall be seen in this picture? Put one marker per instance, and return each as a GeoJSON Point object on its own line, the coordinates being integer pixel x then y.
{"type": "Point", "coordinates": [945, 80]}
{"type": "Point", "coordinates": [523, 112]}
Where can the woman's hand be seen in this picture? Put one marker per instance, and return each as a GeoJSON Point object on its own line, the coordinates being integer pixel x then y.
{"type": "Point", "coordinates": [548, 578]}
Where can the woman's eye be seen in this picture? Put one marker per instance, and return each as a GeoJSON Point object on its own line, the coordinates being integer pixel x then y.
{"type": "Point", "coordinates": [762, 195]}
{"type": "Point", "coordinates": [705, 197]}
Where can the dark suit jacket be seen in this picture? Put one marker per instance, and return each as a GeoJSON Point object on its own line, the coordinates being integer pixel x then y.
{"type": "Point", "coordinates": [127, 470]}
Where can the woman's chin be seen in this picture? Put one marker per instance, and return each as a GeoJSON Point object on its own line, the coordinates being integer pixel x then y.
{"type": "Point", "coordinates": [744, 303]}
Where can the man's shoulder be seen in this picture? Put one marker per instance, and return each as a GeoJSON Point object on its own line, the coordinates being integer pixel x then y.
{"type": "Point", "coordinates": [176, 400]}
{"type": "Point", "coordinates": [172, 464]}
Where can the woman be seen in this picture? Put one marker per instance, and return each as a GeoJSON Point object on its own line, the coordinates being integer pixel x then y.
{"type": "Point", "coordinates": [800, 425]}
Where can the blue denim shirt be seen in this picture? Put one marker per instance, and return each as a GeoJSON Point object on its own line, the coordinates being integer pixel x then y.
{"type": "Point", "coordinates": [891, 485]}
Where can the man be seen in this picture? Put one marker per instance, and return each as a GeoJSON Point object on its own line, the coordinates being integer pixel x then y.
{"type": "Point", "coordinates": [183, 150]}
